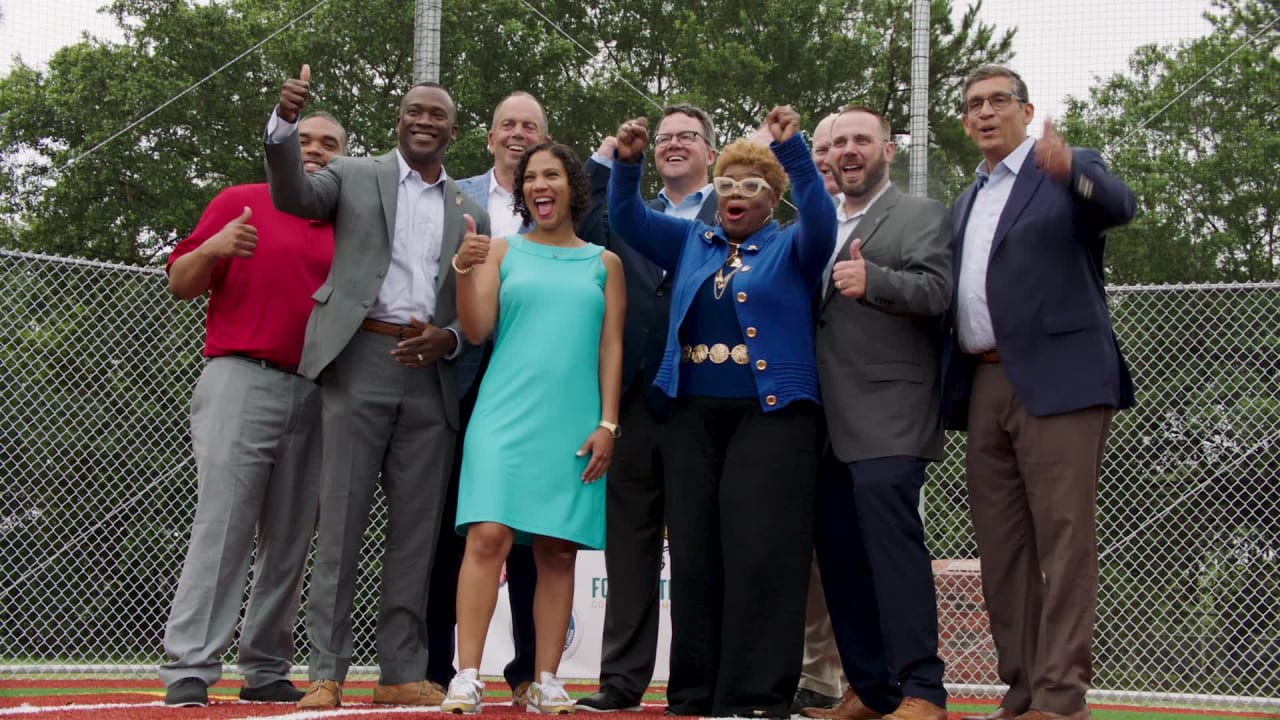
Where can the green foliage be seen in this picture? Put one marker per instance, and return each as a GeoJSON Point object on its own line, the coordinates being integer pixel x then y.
{"type": "Point", "coordinates": [132, 198]}
{"type": "Point", "coordinates": [1203, 164]}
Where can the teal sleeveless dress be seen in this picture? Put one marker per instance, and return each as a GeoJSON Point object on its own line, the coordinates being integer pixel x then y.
{"type": "Point", "coordinates": [539, 400]}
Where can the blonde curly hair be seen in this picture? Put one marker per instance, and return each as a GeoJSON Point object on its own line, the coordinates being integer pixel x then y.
{"type": "Point", "coordinates": [757, 157]}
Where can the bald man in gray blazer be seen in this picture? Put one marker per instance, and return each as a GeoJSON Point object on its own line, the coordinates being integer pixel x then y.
{"type": "Point", "coordinates": [879, 348]}
{"type": "Point", "coordinates": [381, 341]}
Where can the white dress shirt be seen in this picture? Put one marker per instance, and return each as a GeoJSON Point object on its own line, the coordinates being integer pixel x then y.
{"type": "Point", "coordinates": [409, 289]}
{"type": "Point", "coordinates": [845, 225]}
{"type": "Point", "coordinates": [503, 220]}
{"type": "Point", "coordinates": [973, 315]}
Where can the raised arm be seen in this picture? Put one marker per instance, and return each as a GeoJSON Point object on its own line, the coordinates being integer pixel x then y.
{"type": "Point", "coordinates": [657, 236]}
{"type": "Point", "coordinates": [815, 225]}
{"type": "Point", "coordinates": [293, 190]}
{"type": "Point", "coordinates": [1106, 199]}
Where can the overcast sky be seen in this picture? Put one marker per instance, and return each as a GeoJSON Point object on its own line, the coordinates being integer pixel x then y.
{"type": "Point", "coordinates": [1060, 47]}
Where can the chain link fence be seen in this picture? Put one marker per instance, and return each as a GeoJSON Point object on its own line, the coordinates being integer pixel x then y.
{"type": "Point", "coordinates": [97, 488]}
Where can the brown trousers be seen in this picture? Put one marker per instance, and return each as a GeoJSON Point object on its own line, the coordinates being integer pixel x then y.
{"type": "Point", "coordinates": [1033, 485]}
{"type": "Point", "coordinates": [821, 671]}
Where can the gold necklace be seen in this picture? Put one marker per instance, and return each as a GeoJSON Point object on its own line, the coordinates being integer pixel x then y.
{"type": "Point", "coordinates": [721, 281]}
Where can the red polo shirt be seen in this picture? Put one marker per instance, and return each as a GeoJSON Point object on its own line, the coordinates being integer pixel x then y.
{"type": "Point", "coordinates": [258, 306]}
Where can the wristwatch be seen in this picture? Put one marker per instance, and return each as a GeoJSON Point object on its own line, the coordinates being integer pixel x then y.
{"type": "Point", "coordinates": [614, 428]}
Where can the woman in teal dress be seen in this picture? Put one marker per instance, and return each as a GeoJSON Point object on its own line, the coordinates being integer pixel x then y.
{"type": "Point", "coordinates": [541, 436]}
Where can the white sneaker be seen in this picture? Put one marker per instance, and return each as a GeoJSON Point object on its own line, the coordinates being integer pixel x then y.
{"type": "Point", "coordinates": [549, 698]}
{"type": "Point", "coordinates": [464, 695]}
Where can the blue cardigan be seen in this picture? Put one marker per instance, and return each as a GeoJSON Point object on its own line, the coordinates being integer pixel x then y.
{"type": "Point", "coordinates": [772, 293]}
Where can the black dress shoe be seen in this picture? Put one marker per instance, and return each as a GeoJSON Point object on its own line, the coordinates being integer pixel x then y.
{"type": "Point", "coordinates": [806, 698]}
{"type": "Point", "coordinates": [607, 700]}
{"type": "Point", "coordinates": [279, 691]}
{"type": "Point", "coordinates": [187, 692]}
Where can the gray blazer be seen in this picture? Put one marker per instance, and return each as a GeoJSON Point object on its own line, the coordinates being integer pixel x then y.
{"type": "Point", "coordinates": [358, 196]}
{"type": "Point", "coordinates": [878, 356]}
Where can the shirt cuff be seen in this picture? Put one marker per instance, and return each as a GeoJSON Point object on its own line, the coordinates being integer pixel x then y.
{"type": "Point", "coordinates": [279, 129]}
{"type": "Point", "coordinates": [603, 160]}
{"type": "Point", "coordinates": [457, 346]}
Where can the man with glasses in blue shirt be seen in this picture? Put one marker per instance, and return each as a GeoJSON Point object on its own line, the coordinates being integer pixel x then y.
{"type": "Point", "coordinates": [684, 149]}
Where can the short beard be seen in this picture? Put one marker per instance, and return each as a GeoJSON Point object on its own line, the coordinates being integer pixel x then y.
{"type": "Point", "coordinates": [870, 182]}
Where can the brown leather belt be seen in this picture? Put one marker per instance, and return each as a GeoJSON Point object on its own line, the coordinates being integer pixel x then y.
{"type": "Point", "coordinates": [990, 357]}
{"type": "Point", "coordinates": [404, 332]}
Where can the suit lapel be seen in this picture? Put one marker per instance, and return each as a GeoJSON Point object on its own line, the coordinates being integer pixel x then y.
{"type": "Point", "coordinates": [965, 201]}
{"type": "Point", "coordinates": [388, 174]}
{"type": "Point", "coordinates": [866, 229]}
{"type": "Point", "coordinates": [454, 228]}
{"type": "Point", "coordinates": [1024, 187]}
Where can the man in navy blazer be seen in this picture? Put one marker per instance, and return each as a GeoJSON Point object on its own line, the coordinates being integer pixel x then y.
{"type": "Point", "coordinates": [1034, 373]}
{"type": "Point", "coordinates": [685, 151]}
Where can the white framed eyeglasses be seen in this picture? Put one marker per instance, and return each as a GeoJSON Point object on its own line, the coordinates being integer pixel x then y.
{"type": "Point", "coordinates": [746, 187]}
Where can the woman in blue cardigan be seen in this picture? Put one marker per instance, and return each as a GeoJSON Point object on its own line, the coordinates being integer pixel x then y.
{"type": "Point", "coordinates": [741, 444]}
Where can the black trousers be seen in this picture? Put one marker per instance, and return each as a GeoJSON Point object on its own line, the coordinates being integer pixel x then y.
{"type": "Point", "coordinates": [740, 494]}
{"type": "Point", "coordinates": [633, 551]}
{"type": "Point", "coordinates": [442, 593]}
{"type": "Point", "coordinates": [878, 579]}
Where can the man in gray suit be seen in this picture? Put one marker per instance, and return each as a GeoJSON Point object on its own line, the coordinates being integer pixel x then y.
{"type": "Point", "coordinates": [878, 347]}
{"type": "Point", "coordinates": [381, 340]}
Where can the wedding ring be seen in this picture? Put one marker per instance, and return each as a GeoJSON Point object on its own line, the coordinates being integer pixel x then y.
{"type": "Point", "coordinates": [420, 358]}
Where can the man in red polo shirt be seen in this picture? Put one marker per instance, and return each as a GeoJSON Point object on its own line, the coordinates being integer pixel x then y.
{"type": "Point", "coordinates": [255, 433]}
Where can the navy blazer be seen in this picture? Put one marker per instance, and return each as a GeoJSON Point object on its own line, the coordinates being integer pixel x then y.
{"type": "Point", "coordinates": [1045, 292]}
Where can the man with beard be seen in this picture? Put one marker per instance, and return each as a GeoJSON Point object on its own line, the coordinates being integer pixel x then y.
{"type": "Point", "coordinates": [253, 431]}
{"type": "Point", "coordinates": [381, 339]}
{"type": "Point", "coordinates": [878, 347]}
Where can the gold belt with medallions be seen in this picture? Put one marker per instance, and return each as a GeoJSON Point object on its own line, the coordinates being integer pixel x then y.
{"type": "Point", "coordinates": [718, 353]}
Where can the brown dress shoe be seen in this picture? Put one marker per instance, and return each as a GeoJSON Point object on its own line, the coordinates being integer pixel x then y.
{"type": "Point", "coordinates": [999, 714]}
{"type": "Point", "coordinates": [850, 707]}
{"type": "Point", "coordinates": [322, 695]}
{"type": "Point", "coordinates": [520, 696]}
{"type": "Point", "coordinates": [1085, 714]}
{"type": "Point", "coordinates": [916, 709]}
{"type": "Point", "coordinates": [420, 692]}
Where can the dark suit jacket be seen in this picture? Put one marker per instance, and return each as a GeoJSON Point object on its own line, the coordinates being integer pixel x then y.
{"type": "Point", "coordinates": [648, 289]}
{"type": "Point", "coordinates": [358, 195]}
{"type": "Point", "coordinates": [878, 356]}
{"type": "Point", "coordinates": [1045, 292]}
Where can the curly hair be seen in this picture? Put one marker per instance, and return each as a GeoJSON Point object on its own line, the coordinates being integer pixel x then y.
{"type": "Point", "coordinates": [579, 186]}
{"type": "Point", "coordinates": [757, 157]}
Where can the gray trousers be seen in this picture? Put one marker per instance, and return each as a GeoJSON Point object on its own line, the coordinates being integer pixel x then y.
{"type": "Point", "coordinates": [255, 433]}
{"type": "Point", "coordinates": [379, 416]}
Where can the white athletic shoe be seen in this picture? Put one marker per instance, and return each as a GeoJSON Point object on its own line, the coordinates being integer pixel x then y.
{"type": "Point", "coordinates": [463, 698]}
{"type": "Point", "coordinates": [549, 698]}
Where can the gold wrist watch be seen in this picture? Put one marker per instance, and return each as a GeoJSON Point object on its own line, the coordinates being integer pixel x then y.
{"type": "Point", "coordinates": [614, 428]}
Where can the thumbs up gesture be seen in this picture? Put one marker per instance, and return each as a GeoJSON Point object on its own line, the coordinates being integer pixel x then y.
{"type": "Point", "coordinates": [236, 239]}
{"type": "Point", "coordinates": [474, 249]}
{"type": "Point", "coordinates": [294, 95]}
{"type": "Point", "coordinates": [850, 276]}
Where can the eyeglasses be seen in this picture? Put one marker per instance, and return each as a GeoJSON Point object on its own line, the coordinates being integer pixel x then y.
{"type": "Point", "coordinates": [684, 136]}
{"type": "Point", "coordinates": [999, 101]}
{"type": "Point", "coordinates": [746, 187]}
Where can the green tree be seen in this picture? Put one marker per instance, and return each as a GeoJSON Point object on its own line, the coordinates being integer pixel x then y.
{"type": "Point", "coordinates": [1202, 165]}
{"type": "Point", "coordinates": [130, 199]}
